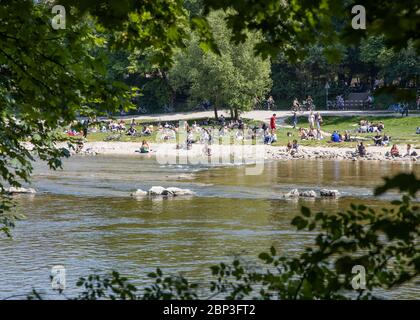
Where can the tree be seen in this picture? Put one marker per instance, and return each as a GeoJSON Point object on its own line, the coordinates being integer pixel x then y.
{"type": "Point", "coordinates": [48, 77]}
{"type": "Point", "coordinates": [402, 66]}
{"type": "Point", "coordinates": [231, 79]}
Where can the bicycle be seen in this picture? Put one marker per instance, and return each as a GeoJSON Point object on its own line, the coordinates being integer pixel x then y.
{"type": "Point", "coordinates": [309, 106]}
{"type": "Point", "coordinates": [299, 109]}
{"type": "Point", "coordinates": [142, 110]}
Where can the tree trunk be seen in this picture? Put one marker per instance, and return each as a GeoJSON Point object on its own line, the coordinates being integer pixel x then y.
{"type": "Point", "coordinates": [236, 113]}
{"type": "Point", "coordinates": [231, 113]}
{"type": "Point", "coordinates": [215, 113]}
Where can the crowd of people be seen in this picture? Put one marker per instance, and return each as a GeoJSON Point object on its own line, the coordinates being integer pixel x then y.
{"type": "Point", "coordinates": [207, 130]}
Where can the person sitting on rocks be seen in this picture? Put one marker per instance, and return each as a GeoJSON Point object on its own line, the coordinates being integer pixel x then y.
{"type": "Point", "coordinates": [335, 137]}
{"type": "Point", "coordinates": [394, 151]}
{"type": "Point", "coordinates": [410, 151]}
{"type": "Point", "coordinates": [377, 139]}
{"type": "Point", "coordinates": [289, 146]}
{"type": "Point", "coordinates": [381, 126]}
{"type": "Point", "coordinates": [361, 149]}
{"type": "Point", "coordinates": [295, 147]}
{"type": "Point", "coordinates": [145, 148]}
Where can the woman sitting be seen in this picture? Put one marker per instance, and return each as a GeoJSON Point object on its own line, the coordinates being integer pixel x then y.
{"type": "Point", "coordinates": [146, 131]}
{"type": "Point", "coordinates": [361, 149]}
{"type": "Point", "coordinates": [144, 147]}
{"type": "Point", "coordinates": [377, 139]}
{"type": "Point", "coordinates": [410, 151]}
{"type": "Point", "coordinates": [303, 134]}
{"type": "Point", "coordinates": [347, 137]}
{"type": "Point", "coordinates": [312, 134]}
{"type": "Point", "coordinates": [394, 151]}
{"type": "Point", "coordinates": [385, 140]}
{"type": "Point", "coordinates": [131, 131]}
{"type": "Point", "coordinates": [289, 146]}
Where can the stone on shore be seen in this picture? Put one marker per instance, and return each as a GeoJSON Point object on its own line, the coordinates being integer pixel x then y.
{"type": "Point", "coordinates": [329, 193]}
{"type": "Point", "coordinates": [15, 190]}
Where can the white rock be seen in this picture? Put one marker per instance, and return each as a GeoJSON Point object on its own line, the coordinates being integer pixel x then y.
{"type": "Point", "coordinates": [329, 193]}
{"type": "Point", "coordinates": [179, 192]}
{"type": "Point", "coordinates": [20, 190]}
{"type": "Point", "coordinates": [292, 194]}
{"type": "Point", "coordinates": [308, 194]}
{"type": "Point", "coordinates": [139, 193]}
{"type": "Point", "coordinates": [157, 191]}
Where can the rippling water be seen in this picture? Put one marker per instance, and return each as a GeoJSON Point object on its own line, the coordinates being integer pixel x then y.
{"type": "Point", "coordinates": [84, 219]}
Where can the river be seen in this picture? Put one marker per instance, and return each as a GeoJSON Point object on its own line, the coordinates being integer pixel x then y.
{"type": "Point", "coordinates": [84, 218]}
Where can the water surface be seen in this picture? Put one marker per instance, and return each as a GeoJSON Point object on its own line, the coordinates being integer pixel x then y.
{"type": "Point", "coordinates": [83, 217]}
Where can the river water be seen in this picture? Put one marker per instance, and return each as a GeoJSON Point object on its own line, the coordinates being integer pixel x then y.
{"type": "Point", "coordinates": [84, 218]}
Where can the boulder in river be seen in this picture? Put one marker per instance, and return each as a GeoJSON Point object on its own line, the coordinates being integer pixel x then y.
{"type": "Point", "coordinates": [292, 194]}
{"type": "Point", "coordinates": [14, 190]}
{"type": "Point", "coordinates": [308, 194]}
{"type": "Point", "coordinates": [171, 191]}
{"type": "Point", "coordinates": [157, 191]}
{"type": "Point", "coordinates": [180, 192]}
{"type": "Point", "coordinates": [329, 193]}
{"type": "Point", "coordinates": [139, 193]}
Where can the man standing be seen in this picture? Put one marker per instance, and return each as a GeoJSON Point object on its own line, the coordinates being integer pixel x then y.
{"type": "Point", "coordinates": [295, 120]}
{"type": "Point", "coordinates": [273, 123]}
{"type": "Point", "coordinates": [311, 120]}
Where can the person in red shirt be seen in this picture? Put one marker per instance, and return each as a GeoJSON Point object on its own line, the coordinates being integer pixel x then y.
{"type": "Point", "coordinates": [273, 123]}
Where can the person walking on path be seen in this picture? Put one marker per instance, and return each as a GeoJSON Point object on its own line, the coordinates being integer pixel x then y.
{"type": "Point", "coordinates": [273, 123]}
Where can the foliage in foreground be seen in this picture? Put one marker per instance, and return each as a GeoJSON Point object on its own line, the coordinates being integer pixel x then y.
{"type": "Point", "coordinates": [385, 242]}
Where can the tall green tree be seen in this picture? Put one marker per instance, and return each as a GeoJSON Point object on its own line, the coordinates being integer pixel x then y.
{"type": "Point", "coordinates": [231, 79]}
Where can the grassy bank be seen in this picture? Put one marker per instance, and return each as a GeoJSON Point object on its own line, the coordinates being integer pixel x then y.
{"type": "Point", "coordinates": [401, 130]}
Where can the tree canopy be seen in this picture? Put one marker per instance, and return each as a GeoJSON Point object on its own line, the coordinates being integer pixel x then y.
{"type": "Point", "coordinates": [231, 79]}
